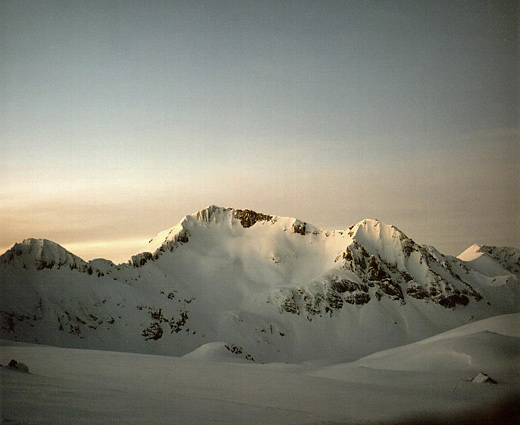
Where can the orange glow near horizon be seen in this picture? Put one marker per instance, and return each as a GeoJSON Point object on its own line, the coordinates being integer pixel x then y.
{"type": "Point", "coordinates": [117, 123]}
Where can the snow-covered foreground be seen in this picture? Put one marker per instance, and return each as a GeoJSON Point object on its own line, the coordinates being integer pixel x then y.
{"type": "Point", "coordinates": [424, 379]}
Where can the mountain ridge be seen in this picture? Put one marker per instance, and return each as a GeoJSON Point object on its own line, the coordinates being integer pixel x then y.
{"type": "Point", "coordinates": [273, 287]}
{"type": "Point", "coordinates": [247, 217]}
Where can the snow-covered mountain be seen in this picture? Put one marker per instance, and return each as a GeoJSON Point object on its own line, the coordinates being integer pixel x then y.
{"type": "Point", "coordinates": [266, 288]}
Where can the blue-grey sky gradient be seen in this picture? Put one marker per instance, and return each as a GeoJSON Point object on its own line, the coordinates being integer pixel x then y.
{"type": "Point", "coordinates": [120, 117]}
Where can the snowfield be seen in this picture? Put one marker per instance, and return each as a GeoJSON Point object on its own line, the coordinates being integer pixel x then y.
{"type": "Point", "coordinates": [422, 380]}
{"type": "Point", "coordinates": [238, 317]}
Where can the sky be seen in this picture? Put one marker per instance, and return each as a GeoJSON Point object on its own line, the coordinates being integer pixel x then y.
{"type": "Point", "coordinates": [118, 118]}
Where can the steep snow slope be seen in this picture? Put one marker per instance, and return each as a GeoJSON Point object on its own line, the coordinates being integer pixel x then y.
{"type": "Point", "coordinates": [275, 288]}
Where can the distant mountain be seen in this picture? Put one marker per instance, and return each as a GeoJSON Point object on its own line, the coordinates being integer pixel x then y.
{"type": "Point", "coordinates": [266, 288]}
{"type": "Point", "coordinates": [492, 260]}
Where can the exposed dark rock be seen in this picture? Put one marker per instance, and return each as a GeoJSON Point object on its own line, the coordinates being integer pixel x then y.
{"type": "Point", "coordinates": [344, 285]}
{"type": "Point", "coordinates": [375, 271]}
{"type": "Point", "coordinates": [157, 314]}
{"type": "Point", "coordinates": [392, 289]}
{"type": "Point", "coordinates": [334, 301]}
{"type": "Point", "coordinates": [362, 250]}
{"type": "Point", "coordinates": [11, 319]}
{"type": "Point", "coordinates": [183, 237]}
{"type": "Point", "coordinates": [153, 332]}
{"type": "Point", "coordinates": [140, 260]}
{"type": "Point", "coordinates": [354, 258]}
{"type": "Point", "coordinates": [74, 330]}
{"type": "Point", "coordinates": [312, 304]}
{"type": "Point", "coordinates": [408, 245]}
{"type": "Point", "coordinates": [451, 301]}
{"type": "Point", "coordinates": [290, 305]}
{"type": "Point", "coordinates": [299, 228]}
{"type": "Point", "coordinates": [18, 366]}
{"type": "Point", "coordinates": [406, 276]}
{"type": "Point", "coordinates": [43, 264]}
{"type": "Point", "coordinates": [235, 349]}
{"type": "Point", "coordinates": [177, 325]}
{"type": "Point", "coordinates": [417, 292]}
{"type": "Point", "coordinates": [248, 218]}
{"type": "Point", "coordinates": [358, 299]}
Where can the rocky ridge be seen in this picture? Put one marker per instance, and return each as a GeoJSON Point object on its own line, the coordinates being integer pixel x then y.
{"type": "Point", "coordinates": [253, 281]}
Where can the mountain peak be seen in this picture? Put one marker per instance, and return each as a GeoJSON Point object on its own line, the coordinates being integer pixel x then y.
{"type": "Point", "coordinates": [41, 254]}
{"type": "Point", "coordinates": [380, 237]}
{"type": "Point", "coordinates": [376, 227]}
{"type": "Point", "coordinates": [471, 253]}
{"type": "Point", "coordinates": [213, 214]}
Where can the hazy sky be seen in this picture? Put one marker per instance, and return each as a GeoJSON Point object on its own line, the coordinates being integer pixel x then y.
{"type": "Point", "coordinates": [118, 118]}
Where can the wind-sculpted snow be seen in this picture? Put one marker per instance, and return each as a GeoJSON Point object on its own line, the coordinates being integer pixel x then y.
{"type": "Point", "coordinates": [276, 287]}
{"type": "Point", "coordinates": [218, 384]}
{"type": "Point", "coordinates": [492, 343]}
